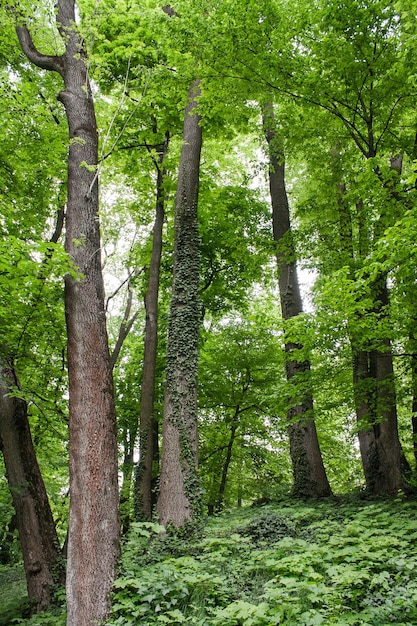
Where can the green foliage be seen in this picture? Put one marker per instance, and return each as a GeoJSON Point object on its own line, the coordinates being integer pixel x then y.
{"type": "Point", "coordinates": [241, 433]}
{"type": "Point", "coordinates": [269, 527]}
{"type": "Point", "coordinates": [13, 596]}
{"type": "Point", "coordinates": [338, 562]}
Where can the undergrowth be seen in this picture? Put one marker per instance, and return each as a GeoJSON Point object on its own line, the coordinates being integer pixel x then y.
{"type": "Point", "coordinates": [341, 562]}
{"type": "Point", "coordinates": [333, 562]}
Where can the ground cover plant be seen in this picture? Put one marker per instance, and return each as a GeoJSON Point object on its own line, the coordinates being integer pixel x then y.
{"type": "Point", "coordinates": [340, 561]}
{"type": "Point", "coordinates": [334, 562]}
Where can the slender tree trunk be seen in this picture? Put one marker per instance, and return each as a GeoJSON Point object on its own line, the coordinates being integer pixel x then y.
{"type": "Point", "coordinates": [127, 470]}
{"type": "Point", "coordinates": [364, 396]}
{"type": "Point", "coordinates": [413, 367]}
{"type": "Point", "coordinates": [179, 495]}
{"type": "Point", "coordinates": [42, 559]}
{"type": "Point", "coordinates": [94, 525]}
{"type": "Point", "coordinates": [222, 488]}
{"type": "Point", "coordinates": [310, 478]}
{"type": "Point", "coordinates": [145, 468]}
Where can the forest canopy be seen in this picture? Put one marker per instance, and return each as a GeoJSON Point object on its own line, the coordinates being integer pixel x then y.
{"type": "Point", "coordinates": [207, 273]}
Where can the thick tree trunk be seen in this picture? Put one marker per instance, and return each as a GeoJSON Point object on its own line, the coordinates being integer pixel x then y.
{"type": "Point", "coordinates": [310, 478]}
{"type": "Point", "coordinates": [42, 559]}
{"type": "Point", "coordinates": [94, 525]}
{"type": "Point", "coordinates": [179, 495]}
{"type": "Point", "coordinates": [145, 468]}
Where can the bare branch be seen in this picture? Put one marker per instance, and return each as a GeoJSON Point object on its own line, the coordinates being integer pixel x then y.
{"type": "Point", "coordinates": [133, 273]}
{"type": "Point", "coordinates": [124, 330]}
{"type": "Point", "coordinates": [44, 61]}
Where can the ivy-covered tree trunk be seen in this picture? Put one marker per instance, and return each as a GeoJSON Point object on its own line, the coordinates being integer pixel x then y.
{"type": "Point", "coordinates": [179, 495]}
{"type": "Point", "coordinates": [310, 479]}
{"type": "Point", "coordinates": [145, 470]}
{"type": "Point", "coordinates": [42, 559]}
{"type": "Point", "coordinates": [94, 525]}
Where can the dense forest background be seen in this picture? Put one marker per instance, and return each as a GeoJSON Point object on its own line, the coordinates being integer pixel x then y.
{"type": "Point", "coordinates": [208, 283]}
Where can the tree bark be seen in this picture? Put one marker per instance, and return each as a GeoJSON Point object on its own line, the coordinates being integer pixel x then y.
{"type": "Point", "coordinates": [42, 559]}
{"type": "Point", "coordinates": [179, 495]}
{"type": "Point", "coordinates": [94, 525]}
{"type": "Point", "coordinates": [310, 478]}
{"type": "Point", "coordinates": [148, 454]}
{"type": "Point", "coordinates": [413, 367]}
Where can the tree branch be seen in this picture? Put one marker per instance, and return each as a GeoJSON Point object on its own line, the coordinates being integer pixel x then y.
{"type": "Point", "coordinates": [44, 61]}
{"type": "Point", "coordinates": [124, 330]}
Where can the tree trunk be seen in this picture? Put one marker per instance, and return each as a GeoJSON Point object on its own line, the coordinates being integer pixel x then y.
{"type": "Point", "coordinates": [386, 453]}
{"type": "Point", "coordinates": [413, 365]}
{"type": "Point", "coordinates": [127, 470]}
{"type": "Point", "coordinates": [145, 468]}
{"type": "Point", "coordinates": [310, 478]}
{"type": "Point", "coordinates": [373, 381]}
{"type": "Point", "coordinates": [42, 559]}
{"type": "Point", "coordinates": [179, 495]}
{"type": "Point", "coordinates": [222, 488]}
{"type": "Point", "coordinates": [364, 390]}
{"type": "Point", "coordinates": [94, 525]}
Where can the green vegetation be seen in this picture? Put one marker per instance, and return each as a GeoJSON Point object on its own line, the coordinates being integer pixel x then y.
{"type": "Point", "coordinates": [340, 561]}
{"type": "Point", "coordinates": [294, 308]}
{"type": "Point", "coordinates": [13, 598]}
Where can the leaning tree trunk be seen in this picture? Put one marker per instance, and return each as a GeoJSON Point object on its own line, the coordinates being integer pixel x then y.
{"type": "Point", "coordinates": [94, 525]}
{"type": "Point", "coordinates": [179, 495]}
{"type": "Point", "coordinates": [310, 478]}
{"type": "Point", "coordinates": [148, 453]}
{"type": "Point", "coordinates": [42, 559]}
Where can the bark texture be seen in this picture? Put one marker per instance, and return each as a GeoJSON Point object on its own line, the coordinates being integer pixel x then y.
{"type": "Point", "coordinates": [310, 479]}
{"type": "Point", "coordinates": [179, 495]}
{"type": "Point", "coordinates": [413, 343]}
{"type": "Point", "coordinates": [148, 450]}
{"type": "Point", "coordinates": [43, 563]}
{"type": "Point", "coordinates": [94, 525]}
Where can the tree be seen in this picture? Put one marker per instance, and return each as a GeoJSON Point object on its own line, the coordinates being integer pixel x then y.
{"type": "Point", "coordinates": [361, 87]}
{"type": "Point", "coordinates": [44, 565]}
{"type": "Point", "coordinates": [148, 426]}
{"type": "Point", "coordinates": [309, 474]}
{"type": "Point", "coordinates": [94, 526]}
{"type": "Point", "coordinates": [179, 494]}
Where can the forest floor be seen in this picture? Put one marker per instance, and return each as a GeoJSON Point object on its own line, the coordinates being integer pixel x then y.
{"type": "Point", "coordinates": [343, 561]}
